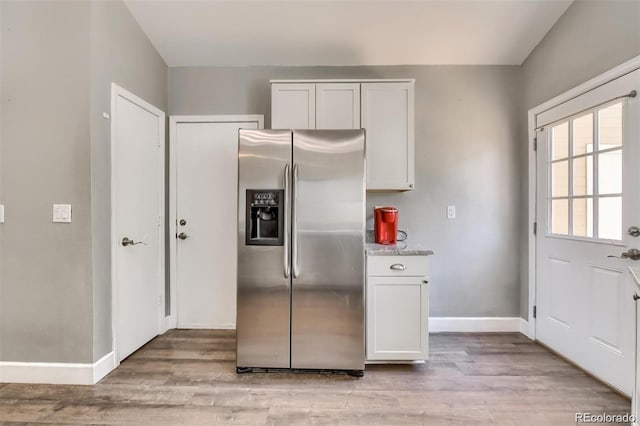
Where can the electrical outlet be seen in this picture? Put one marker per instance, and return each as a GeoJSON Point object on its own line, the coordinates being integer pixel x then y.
{"type": "Point", "coordinates": [62, 213]}
{"type": "Point", "coordinates": [451, 212]}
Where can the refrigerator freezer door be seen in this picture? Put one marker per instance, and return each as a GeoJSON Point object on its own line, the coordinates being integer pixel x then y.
{"type": "Point", "coordinates": [327, 317]}
{"type": "Point", "coordinates": [263, 315]}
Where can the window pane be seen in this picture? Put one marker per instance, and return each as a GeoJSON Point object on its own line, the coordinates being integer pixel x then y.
{"type": "Point", "coordinates": [583, 217]}
{"type": "Point", "coordinates": [560, 141]}
{"type": "Point", "coordinates": [583, 175]}
{"type": "Point", "coordinates": [610, 172]}
{"type": "Point", "coordinates": [610, 126]}
{"type": "Point", "coordinates": [583, 134]}
{"type": "Point", "coordinates": [610, 218]}
{"type": "Point", "coordinates": [560, 217]}
{"type": "Point", "coordinates": [560, 179]}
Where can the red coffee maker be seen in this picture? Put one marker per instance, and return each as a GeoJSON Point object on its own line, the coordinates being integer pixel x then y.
{"type": "Point", "coordinates": [386, 225]}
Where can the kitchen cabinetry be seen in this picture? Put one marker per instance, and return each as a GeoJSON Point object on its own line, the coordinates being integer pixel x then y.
{"type": "Point", "coordinates": [397, 308]}
{"type": "Point", "coordinates": [385, 108]}
{"type": "Point", "coordinates": [387, 114]}
{"type": "Point", "coordinates": [338, 106]}
{"type": "Point", "coordinates": [293, 106]}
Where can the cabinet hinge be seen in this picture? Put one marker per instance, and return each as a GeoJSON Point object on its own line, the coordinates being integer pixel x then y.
{"type": "Point", "coordinates": [535, 311]}
{"type": "Point", "coordinates": [535, 228]}
{"type": "Point", "coordinates": [535, 144]}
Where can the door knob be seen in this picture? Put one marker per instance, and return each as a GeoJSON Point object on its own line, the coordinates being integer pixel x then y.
{"type": "Point", "coordinates": [634, 231]}
{"type": "Point", "coordinates": [633, 254]}
{"type": "Point", "coordinates": [126, 241]}
{"type": "Point", "coordinates": [183, 236]}
{"type": "Point", "coordinates": [182, 222]}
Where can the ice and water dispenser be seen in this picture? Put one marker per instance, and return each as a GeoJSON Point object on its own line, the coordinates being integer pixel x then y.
{"type": "Point", "coordinates": [265, 217]}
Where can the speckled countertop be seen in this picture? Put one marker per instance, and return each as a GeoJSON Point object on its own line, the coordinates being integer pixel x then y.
{"type": "Point", "coordinates": [402, 248]}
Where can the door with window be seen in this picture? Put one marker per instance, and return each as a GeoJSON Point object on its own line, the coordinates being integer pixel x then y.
{"type": "Point", "coordinates": [587, 200]}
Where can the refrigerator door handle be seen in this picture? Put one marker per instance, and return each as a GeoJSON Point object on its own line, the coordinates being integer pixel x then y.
{"type": "Point", "coordinates": [287, 210]}
{"type": "Point", "coordinates": [294, 225]}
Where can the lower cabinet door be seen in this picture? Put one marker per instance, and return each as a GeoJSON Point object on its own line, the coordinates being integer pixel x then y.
{"type": "Point", "coordinates": [397, 316]}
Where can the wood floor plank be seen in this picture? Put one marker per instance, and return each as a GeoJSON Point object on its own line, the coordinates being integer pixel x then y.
{"type": "Point", "coordinates": [187, 377]}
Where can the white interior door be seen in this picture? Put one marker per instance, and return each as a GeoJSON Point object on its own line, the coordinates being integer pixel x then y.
{"type": "Point", "coordinates": [137, 138]}
{"type": "Point", "coordinates": [206, 197]}
{"type": "Point", "coordinates": [587, 180]}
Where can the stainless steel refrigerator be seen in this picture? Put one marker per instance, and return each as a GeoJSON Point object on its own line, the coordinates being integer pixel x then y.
{"type": "Point", "coordinates": [301, 224]}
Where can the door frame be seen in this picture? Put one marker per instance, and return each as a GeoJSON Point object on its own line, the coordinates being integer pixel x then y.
{"type": "Point", "coordinates": [118, 91]}
{"type": "Point", "coordinates": [171, 320]}
{"type": "Point", "coordinates": [604, 78]}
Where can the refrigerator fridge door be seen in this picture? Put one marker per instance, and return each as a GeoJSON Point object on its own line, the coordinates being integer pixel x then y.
{"type": "Point", "coordinates": [327, 316]}
{"type": "Point", "coordinates": [263, 315]}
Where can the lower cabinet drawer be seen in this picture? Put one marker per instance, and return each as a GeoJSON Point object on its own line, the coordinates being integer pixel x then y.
{"type": "Point", "coordinates": [397, 266]}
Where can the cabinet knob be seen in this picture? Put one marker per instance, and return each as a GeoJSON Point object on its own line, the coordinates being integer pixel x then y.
{"type": "Point", "coordinates": [636, 297]}
{"type": "Point", "coordinates": [425, 282]}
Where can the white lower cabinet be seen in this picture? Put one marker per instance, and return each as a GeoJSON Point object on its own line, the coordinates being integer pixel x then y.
{"type": "Point", "coordinates": [397, 308]}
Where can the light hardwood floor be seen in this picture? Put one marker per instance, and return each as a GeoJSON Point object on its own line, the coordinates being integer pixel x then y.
{"type": "Point", "coordinates": [187, 377]}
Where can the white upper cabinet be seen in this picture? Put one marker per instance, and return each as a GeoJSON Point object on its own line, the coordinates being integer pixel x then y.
{"type": "Point", "coordinates": [388, 116]}
{"type": "Point", "coordinates": [385, 108]}
{"type": "Point", "coordinates": [338, 106]}
{"type": "Point", "coordinates": [293, 106]}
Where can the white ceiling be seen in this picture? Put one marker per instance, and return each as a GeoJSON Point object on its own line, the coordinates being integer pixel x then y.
{"type": "Point", "coordinates": [346, 32]}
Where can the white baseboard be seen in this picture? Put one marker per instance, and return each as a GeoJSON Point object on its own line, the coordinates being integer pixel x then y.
{"type": "Point", "coordinates": [169, 322]}
{"type": "Point", "coordinates": [57, 373]}
{"type": "Point", "coordinates": [224, 326]}
{"type": "Point", "coordinates": [524, 327]}
{"type": "Point", "coordinates": [475, 324]}
{"type": "Point", "coordinates": [104, 366]}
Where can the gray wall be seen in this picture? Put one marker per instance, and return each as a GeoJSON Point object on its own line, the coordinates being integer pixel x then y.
{"type": "Point", "coordinates": [466, 154]}
{"type": "Point", "coordinates": [590, 38]}
{"type": "Point", "coordinates": [58, 61]}
{"type": "Point", "coordinates": [45, 287]}
{"type": "Point", "coordinates": [120, 53]}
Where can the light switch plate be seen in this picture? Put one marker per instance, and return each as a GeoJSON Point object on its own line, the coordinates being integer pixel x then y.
{"type": "Point", "coordinates": [62, 213]}
{"type": "Point", "coordinates": [451, 212]}
{"type": "Point", "coordinates": [1, 213]}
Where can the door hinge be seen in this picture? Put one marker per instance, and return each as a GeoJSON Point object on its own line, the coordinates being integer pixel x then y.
{"type": "Point", "coordinates": [535, 311]}
{"type": "Point", "coordinates": [535, 228]}
{"type": "Point", "coordinates": [159, 220]}
{"type": "Point", "coordinates": [159, 300]}
{"type": "Point", "coordinates": [535, 144]}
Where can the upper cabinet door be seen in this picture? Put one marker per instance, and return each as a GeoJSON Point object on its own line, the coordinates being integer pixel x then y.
{"type": "Point", "coordinates": [293, 106]}
{"type": "Point", "coordinates": [388, 117]}
{"type": "Point", "coordinates": [337, 105]}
